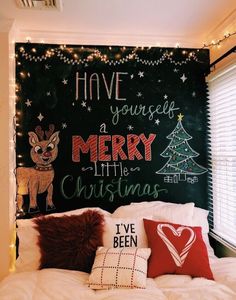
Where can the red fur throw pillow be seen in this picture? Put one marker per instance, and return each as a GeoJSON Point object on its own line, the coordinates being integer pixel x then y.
{"type": "Point", "coordinates": [70, 242]}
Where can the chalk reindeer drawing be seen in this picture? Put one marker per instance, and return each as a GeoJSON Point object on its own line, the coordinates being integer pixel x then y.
{"type": "Point", "coordinates": [38, 179]}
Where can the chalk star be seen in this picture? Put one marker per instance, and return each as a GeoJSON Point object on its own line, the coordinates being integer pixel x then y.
{"type": "Point", "coordinates": [83, 104]}
{"type": "Point", "coordinates": [47, 67]}
{"type": "Point", "coordinates": [139, 94]}
{"type": "Point", "coordinates": [157, 121]}
{"type": "Point", "coordinates": [63, 125]}
{"type": "Point", "coordinates": [165, 96]}
{"type": "Point", "coordinates": [40, 117]}
{"type": "Point", "coordinates": [180, 117]}
{"type": "Point", "coordinates": [183, 78]}
{"type": "Point", "coordinates": [194, 94]}
{"type": "Point", "coordinates": [49, 93]}
{"type": "Point", "coordinates": [28, 102]}
{"type": "Point", "coordinates": [132, 76]}
{"type": "Point", "coordinates": [73, 103]}
{"type": "Point", "coordinates": [159, 80]}
{"type": "Point", "coordinates": [176, 70]}
{"type": "Point", "coordinates": [130, 127]}
{"type": "Point", "coordinates": [89, 108]}
{"type": "Point", "coordinates": [65, 81]}
{"type": "Point", "coordinates": [141, 74]}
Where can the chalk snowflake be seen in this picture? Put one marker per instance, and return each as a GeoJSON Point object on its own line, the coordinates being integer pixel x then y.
{"type": "Point", "coordinates": [130, 127]}
{"type": "Point", "coordinates": [28, 103]}
{"type": "Point", "coordinates": [65, 81]}
{"type": "Point", "coordinates": [183, 78]}
{"type": "Point", "coordinates": [40, 117]}
{"type": "Point", "coordinates": [139, 94]}
{"type": "Point", "coordinates": [83, 104]}
{"type": "Point", "coordinates": [141, 74]}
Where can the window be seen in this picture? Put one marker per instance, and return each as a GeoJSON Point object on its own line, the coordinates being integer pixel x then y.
{"type": "Point", "coordinates": [222, 152]}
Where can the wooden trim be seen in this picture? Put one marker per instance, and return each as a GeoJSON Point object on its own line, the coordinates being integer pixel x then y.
{"type": "Point", "coordinates": [221, 247]}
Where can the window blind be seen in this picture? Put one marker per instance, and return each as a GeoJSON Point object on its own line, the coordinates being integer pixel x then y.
{"type": "Point", "coordinates": [222, 152]}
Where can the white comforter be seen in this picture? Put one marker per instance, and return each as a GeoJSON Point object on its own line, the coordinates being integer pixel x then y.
{"type": "Point", "coordinates": [57, 284]}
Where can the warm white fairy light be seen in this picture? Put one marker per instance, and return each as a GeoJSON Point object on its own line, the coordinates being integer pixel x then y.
{"type": "Point", "coordinates": [22, 74]}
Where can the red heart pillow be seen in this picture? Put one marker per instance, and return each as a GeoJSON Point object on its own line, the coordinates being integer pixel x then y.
{"type": "Point", "coordinates": [176, 249]}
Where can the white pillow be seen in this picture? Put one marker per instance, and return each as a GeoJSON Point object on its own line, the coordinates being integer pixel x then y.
{"type": "Point", "coordinates": [29, 251]}
{"type": "Point", "coordinates": [124, 232]}
{"type": "Point", "coordinates": [119, 268]}
{"type": "Point", "coordinates": [200, 219]}
{"type": "Point", "coordinates": [163, 211]}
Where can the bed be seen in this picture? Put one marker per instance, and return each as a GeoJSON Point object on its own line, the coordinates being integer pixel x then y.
{"type": "Point", "coordinates": [148, 250]}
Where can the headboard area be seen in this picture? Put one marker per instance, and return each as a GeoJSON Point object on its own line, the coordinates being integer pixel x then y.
{"type": "Point", "coordinates": [100, 126]}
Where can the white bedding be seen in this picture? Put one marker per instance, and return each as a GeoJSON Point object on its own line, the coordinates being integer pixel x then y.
{"type": "Point", "coordinates": [57, 284]}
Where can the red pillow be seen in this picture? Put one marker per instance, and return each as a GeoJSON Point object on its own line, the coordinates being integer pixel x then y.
{"type": "Point", "coordinates": [176, 249]}
{"type": "Point", "coordinates": [70, 242]}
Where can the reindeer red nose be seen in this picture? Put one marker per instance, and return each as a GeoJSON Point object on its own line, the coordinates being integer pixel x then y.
{"type": "Point", "coordinates": [47, 154]}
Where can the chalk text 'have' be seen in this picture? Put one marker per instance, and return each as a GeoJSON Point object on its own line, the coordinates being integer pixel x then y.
{"type": "Point", "coordinates": [89, 86]}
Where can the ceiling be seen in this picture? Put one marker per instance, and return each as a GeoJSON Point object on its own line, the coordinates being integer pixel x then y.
{"type": "Point", "coordinates": [157, 19]}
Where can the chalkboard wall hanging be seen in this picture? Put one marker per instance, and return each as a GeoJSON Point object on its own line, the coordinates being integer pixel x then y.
{"type": "Point", "coordinates": [106, 126]}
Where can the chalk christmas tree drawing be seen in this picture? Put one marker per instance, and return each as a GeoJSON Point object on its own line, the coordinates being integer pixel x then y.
{"type": "Point", "coordinates": [181, 156]}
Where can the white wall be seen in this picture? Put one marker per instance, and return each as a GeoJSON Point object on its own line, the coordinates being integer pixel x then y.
{"type": "Point", "coordinates": [7, 184]}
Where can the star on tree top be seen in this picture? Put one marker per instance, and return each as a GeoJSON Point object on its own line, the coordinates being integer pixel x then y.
{"type": "Point", "coordinates": [180, 117]}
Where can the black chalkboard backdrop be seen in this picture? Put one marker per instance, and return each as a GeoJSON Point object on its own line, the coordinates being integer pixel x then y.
{"type": "Point", "coordinates": [106, 126]}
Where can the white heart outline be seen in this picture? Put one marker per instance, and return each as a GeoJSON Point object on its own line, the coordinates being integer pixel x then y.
{"type": "Point", "coordinates": [179, 259]}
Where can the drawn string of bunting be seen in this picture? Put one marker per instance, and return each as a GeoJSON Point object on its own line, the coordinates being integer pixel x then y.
{"type": "Point", "coordinates": [96, 54]}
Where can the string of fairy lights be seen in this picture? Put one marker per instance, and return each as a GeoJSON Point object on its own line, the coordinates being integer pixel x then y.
{"type": "Point", "coordinates": [219, 41]}
{"type": "Point", "coordinates": [70, 56]}
{"type": "Point", "coordinates": [75, 55]}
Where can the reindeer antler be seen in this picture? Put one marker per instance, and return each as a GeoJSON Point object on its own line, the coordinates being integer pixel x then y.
{"type": "Point", "coordinates": [49, 132]}
{"type": "Point", "coordinates": [39, 132]}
